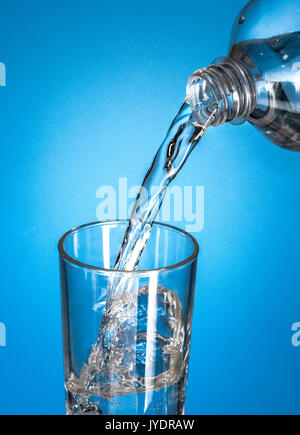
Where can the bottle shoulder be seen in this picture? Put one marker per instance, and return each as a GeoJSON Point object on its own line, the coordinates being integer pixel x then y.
{"type": "Point", "coordinates": [263, 19]}
{"type": "Point", "coordinates": [275, 65]}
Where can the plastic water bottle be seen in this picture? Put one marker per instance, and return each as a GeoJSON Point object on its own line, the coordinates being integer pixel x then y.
{"type": "Point", "coordinates": [259, 81]}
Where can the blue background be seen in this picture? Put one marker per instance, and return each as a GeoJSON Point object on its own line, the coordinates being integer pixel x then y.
{"type": "Point", "coordinates": [91, 89]}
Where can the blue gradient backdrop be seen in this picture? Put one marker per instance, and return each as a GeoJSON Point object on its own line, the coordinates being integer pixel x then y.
{"type": "Point", "coordinates": [91, 89]}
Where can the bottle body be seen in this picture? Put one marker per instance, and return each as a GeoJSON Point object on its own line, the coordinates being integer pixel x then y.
{"type": "Point", "coordinates": [259, 81]}
{"type": "Point", "coordinates": [275, 67]}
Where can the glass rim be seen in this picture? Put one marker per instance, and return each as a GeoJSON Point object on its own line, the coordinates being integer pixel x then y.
{"type": "Point", "coordinates": [72, 260]}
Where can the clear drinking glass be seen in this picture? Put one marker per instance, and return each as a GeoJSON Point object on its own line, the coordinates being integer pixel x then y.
{"type": "Point", "coordinates": [126, 354]}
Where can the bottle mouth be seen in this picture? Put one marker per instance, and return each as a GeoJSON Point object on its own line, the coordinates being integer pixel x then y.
{"type": "Point", "coordinates": [202, 98]}
{"type": "Point", "coordinates": [225, 90]}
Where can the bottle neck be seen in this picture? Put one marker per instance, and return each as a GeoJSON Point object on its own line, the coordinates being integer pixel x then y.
{"type": "Point", "coordinates": [225, 89]}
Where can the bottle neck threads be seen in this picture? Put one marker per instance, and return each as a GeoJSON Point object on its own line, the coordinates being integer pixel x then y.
{"type": "Point", "coordinates": [225, 89]}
